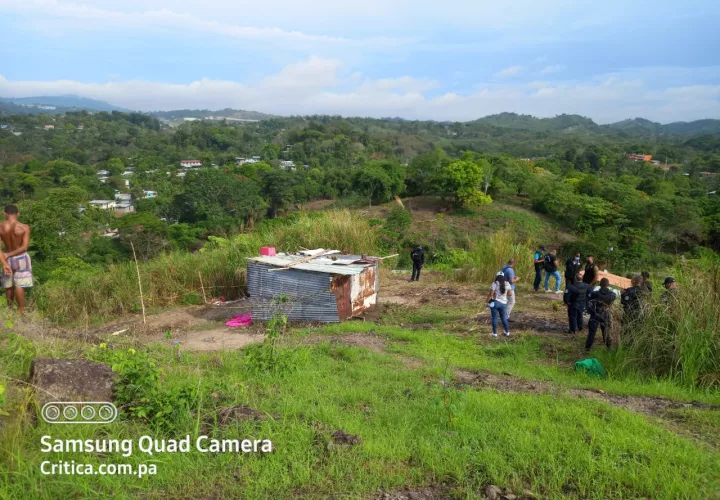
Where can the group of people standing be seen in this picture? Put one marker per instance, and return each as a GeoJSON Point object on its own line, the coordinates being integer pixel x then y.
{"type": "Point", "coordinates": [585, 293]}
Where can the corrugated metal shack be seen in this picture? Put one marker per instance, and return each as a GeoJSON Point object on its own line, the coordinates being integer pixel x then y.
{"type": "Point", "coordinates": [329, 288]}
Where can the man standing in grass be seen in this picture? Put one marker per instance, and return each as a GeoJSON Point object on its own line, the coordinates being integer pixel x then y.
{"type": "Point", "coordinates": [510, 277]}
{"type": "Point", "coordinates": [670, 292]}
{"type": "Point", "coordinates": [418, 259]}
{"type": "Point", "coordinates": [16, 239]}
{"type": "Point", "coordinates": [550, 264]}
{"type": "Point", "coordinates": [576, 296]}
{"type": "Point", "coordinates": [538, 260]}
{"type": "Point", "coordinates": [600, 303]}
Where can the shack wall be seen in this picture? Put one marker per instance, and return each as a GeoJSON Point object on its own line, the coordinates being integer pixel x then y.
{"type": "Point", "coordinates": [309, 294]}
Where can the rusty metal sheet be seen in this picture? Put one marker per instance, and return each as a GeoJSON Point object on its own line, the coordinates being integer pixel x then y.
{"type": "Point", "coordinates": [363, 292]}
{"type": "Point", "coordinates": [340, 286]}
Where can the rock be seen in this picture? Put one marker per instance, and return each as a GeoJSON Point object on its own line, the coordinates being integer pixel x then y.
{"type": "Point", "coordinates": [71, 380]}
{"type": "Point", "coordinates": [527, 494]}
{"type": "Point", "coordinates": [493, 492]}
{"type": "Point", "coordinates": [509, 496]}
{"type": "Point", "coordinates": [340, 437]}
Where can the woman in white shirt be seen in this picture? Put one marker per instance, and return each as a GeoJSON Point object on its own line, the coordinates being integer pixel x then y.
{"type": "Point", "coordinates": [497, 302]}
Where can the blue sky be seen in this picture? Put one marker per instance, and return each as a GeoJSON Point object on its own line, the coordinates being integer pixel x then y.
{"type": "Point", "coordinates": [453, 60]}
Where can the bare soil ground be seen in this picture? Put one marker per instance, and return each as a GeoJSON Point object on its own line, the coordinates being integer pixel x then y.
{"type": "Point", "coordinates": [195, 328]}
{"type": "Point", "coordinates": [432, 289]}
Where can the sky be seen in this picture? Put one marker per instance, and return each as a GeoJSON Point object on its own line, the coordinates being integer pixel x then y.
{"type": "Point", "coordinates": [415, 59]}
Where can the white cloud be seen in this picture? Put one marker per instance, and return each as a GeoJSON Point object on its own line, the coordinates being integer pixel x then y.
{"type": "Point", "coordinates": [555, 68]}
{"type": "Point", "coordinates": [508, 72]}
{"type": "Point", "coordinates": [83, 16]}
{"type": "Point", "coordinates": [326, 86]}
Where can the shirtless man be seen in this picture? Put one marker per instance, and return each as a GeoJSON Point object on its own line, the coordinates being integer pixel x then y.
{"type": "Point", "coordinates": [17, 269]}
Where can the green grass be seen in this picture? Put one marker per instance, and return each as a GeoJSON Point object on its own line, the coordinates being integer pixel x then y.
{"type": "Point", "coordinates": [523, 357]}
{"type": "Point", "coordinates": [555, 446]}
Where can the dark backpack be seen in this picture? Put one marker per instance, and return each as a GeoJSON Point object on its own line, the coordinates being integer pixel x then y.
{"type": "Point", "coordinates": [548, 263]}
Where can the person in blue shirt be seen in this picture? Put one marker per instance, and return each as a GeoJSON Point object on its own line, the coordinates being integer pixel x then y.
{"type": "Point", "coordinates": [538, 260]}
{"type": "Point", "coordinates": [510, 277]}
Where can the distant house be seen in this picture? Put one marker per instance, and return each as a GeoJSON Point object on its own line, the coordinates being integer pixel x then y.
{"type": "Point", "coordinates": [708, 174]}
{"type": "Point", "coordinates": [4, 126]}
{"type": "Point", "coordinates": [111, 233]}
{"type": "Point", "coordinates": [123, 196]}
{"type": "Point", "coordinates": [190, 164]}
{"type": "Point", "coordinates": [103, 172]}
{"type": "Point", "coordinates": [49, 127]}
{"type": "Point", "coordinates": [80, 127]}
{"type": "Point", "coordinates": [128, 173]}
{"type": "Point", "coordinates": [181, 174]}
{"type": "Point", "coordinates": [124, 207]}
{"type": "Point", "coordinates": [287, 165]}
{"type": "Point", "coordinates": [639, 157]}
{"type": "Point", "coordinates": [149, 194]}
{"type": "Point", "coordinates": [103, 204]}
{"type": "Point", "coordinates": [17, 133]}
{"type": "Point", "coordinates": [241, 160]}
{"type": "Point", "coordinates": [103, 179]}
{"type": "Point", "coordinates": [190, 119]}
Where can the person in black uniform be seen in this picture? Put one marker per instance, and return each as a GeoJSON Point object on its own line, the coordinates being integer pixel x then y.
{"type": "Point", "coordinates": [600, 302]}
{"type": "Point", "coordinates": [418, 260]}
{"type": "Point", "coordinates": [572, 267]}
{"type": "Point", "coordinates": [575, 298]}
{"type": "Point", "coordinates": [646, 281]}
{"type": "Point", "coordinates": [631, 300]}
{"type": "Point", "coordinates": [591, 271]}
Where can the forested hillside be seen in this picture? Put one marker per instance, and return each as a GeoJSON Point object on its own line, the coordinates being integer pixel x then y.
{"type": "Point", "coordinates": [629, 212]}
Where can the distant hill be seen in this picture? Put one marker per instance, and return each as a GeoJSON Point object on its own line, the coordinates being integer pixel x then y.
{"type": "Point", "coordinates": [55, 104]}
{"type": "Point", "coordinates": [634, 126]}
{"type": "Point", "coordinates": [531, 123]}
{"type": "Point", "coordinates": [237, 114]}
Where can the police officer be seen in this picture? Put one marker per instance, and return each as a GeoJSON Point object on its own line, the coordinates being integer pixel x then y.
{"type": "Point", "coordinates": [575, 298]}
{"type": "Point", "coordinates": [418, 260]}
{"type": "Point", "coordinates": [572, 267]}
{"type": "Point", "coordinates": [600, 303]}
{"type": "Point", "coordinates": [631, 299]}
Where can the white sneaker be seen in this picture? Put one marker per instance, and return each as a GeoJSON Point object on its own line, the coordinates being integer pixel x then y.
{"type": "Point", "coordinates": [547, 291]}
{"type": "Point", "coordinates": [507, 334]}
{"type": "Point", "coordinates": [558, 292]}
{"type": "Point", "coordinates": [494, 335]}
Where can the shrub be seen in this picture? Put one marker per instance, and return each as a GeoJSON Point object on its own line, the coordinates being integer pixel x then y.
{"type": "Point", "coordinates": [680, 338]}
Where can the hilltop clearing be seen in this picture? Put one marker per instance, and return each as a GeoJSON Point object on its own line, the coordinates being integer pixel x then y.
{"type": "Point", "coordinates": [413, 399]}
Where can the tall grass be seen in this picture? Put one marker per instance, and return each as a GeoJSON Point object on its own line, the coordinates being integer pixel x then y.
{"type": "Point", "coordinates": [680, 338]}
{"type": "Point", "coordinates": [486, 256]}
{"type": "Point", "coordinates": [175, 278]}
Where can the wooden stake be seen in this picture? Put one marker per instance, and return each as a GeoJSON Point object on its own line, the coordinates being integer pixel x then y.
{"type": "Point", "coordinates": [202, 287]}
{"type": "Point", "coordinates": [137, 268]}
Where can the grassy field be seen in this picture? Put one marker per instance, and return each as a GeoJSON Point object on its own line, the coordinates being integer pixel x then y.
{"type": "Point", "coordinates": [413, 401]}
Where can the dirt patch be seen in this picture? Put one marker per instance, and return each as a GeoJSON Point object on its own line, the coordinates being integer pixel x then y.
{"type": "Point", "coordinates": [343, 438]}
{"type": "Point", "coordinates": [217, 339]}
{"type": "Point", "coordinates": [367, 340]}
{"type": "Point", "coordinates": [431, 289]}
{"type": "Point", "coordinates": [427, 493]}
{"type": "Point", "coordinates": [235, 414]}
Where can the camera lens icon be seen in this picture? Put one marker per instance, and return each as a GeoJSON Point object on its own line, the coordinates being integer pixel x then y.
{"type": "Point", "coordinates": [77, 412]}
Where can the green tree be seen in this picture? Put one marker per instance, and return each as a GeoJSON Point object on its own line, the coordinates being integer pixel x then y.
{"type": "Point", "coordinates": [216, 195]}
{"type": "Point", "coordinates": [462, 180]}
